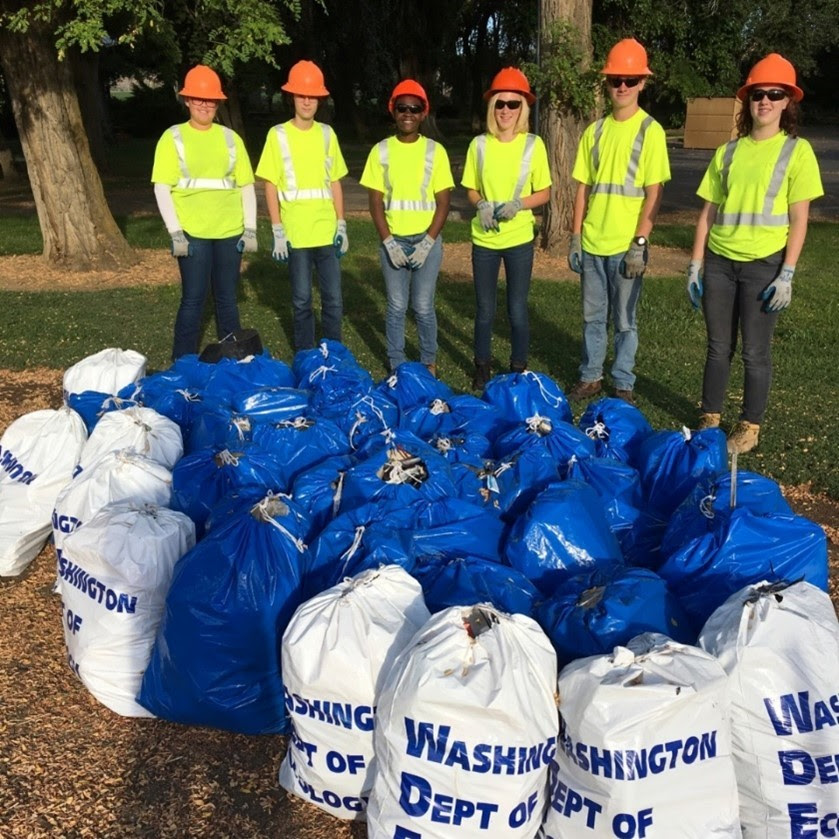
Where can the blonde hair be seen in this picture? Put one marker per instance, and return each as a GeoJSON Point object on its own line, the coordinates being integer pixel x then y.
{"type": "Point", "coordinates": [522, 123]}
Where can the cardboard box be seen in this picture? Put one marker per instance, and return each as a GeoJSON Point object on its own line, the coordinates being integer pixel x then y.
{"type": "Point", "coordinates": [710, 122]}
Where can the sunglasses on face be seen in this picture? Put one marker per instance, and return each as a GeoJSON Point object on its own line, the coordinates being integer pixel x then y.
{"type": "Point", "coordinates": [629, 81]}
{"type": "Point", "coordinates": [409, 109]}
{"type": "Point", "coordinates": [771, 95]}
{"type": "Point", "coordinates": [512, 104]}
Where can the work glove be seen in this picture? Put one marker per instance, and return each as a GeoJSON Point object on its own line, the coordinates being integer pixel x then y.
{"type": "Point", "coordinates": [421, 251]}
{"type": "Point", "coordinates": [778, 293]}
{"type": "Point", "coordinates": [396, 253]}
{"type": "Point", "coordinates": [506, 211]}
{"type": "Point", "coordinates": [340, 242]}
{"type": "Point", "coordinates": [634, 261]}
{"type": "Point", "coordinates": [180, 244]}
{"type": "Point", "coordinates": [486, 216]}
{"type": "Point", "coordinates": [279, 251]}
{"type": "Point", "coordinates": [575, 253]}
{"type": "Point", "coordinates": [695, 287]}
{"type": "Point", "coordinates": [247, 244]}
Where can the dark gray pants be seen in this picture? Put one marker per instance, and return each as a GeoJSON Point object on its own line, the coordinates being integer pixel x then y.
{"type": "Point", "coordinates": [731, 302]}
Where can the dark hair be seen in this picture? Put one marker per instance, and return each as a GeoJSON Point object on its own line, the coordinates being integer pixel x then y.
{"type": "Point", "coordinates": [789, 118]}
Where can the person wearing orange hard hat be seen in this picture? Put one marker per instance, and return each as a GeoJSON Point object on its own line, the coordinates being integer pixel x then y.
{"type": "Point", "coordinates": [506, 176]}
{"type": "Point", "coordinates": [302, 166]}
{"type": "Point", "coordinates": [409, 183]}
{"type": "Point", "coordinates": [203, 184]}
{"type": "Point", "coordinates": [751, 229]}
{"type": "Point", "coordinates": [621, 168]}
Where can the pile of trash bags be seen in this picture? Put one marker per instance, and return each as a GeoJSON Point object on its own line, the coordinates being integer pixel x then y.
{"type": "Point", "coordinates": [405, 580]}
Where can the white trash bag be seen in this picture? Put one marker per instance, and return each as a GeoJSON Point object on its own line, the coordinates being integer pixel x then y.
{"type": "Point", "coordinates": [779, 644]}
{"type": "Point", "coordinates": [38, 453]}
{"type": "Point", "coordinates": [107, 371]}
{"type": "Point", "coordinates": [336, 651]}
{"type": "Point", "coordinates": [113, 577]}
{"type": "Point", "coordinates": [466, 728]}
{"type": "Point", "coordinates": [142, 429]}
{"type": "Point", "coordinates": [644, 746]}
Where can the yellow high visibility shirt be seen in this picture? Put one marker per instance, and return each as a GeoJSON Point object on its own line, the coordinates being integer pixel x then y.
{"type": "Point", "coordinates": [753, 182]}
{"type": "Point", "coordinates": [503, 171]}
{"type": "Point", "coordinates": [618, 160]}
{"type": "Point", "coordinates": [408, 175]}
{"type": "Point", "coordinates": [206, 170]}
{"type": "Point", "coordinates": [303, 165]}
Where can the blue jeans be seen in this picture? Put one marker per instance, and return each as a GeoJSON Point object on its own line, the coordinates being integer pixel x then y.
{"type": "Point", "coordinates": [603, 288]}
{"type": "Point", "coordinates": [518, 266]}
{"type": "Point", "coordinates": [214, 263]}
{"type": "Point", "coordinates": [417, 286]}
{"type": "Point", "coordinates": [731, 303]}
{"type": "Point", "coordinates": [325, 262]}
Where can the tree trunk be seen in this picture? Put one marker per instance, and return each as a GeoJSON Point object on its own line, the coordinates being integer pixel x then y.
{"type": "Point", "coordinates": [561, 130]}
{"type": "Point", "coordinates": [79, 231]}
{"type": "Point", "coordinates": [7, 168]}
{"type": "Point", "coordinates": [85, 67]}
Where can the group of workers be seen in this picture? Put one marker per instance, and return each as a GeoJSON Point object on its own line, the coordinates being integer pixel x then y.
{"type": "Point", "coordinates": [749, 234]}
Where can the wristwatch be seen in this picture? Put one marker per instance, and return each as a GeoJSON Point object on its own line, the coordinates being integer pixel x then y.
{"type": "Point", "coordinates": [641, 241]}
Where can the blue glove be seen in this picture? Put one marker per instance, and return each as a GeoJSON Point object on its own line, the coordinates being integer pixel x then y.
{"type": "Point", "coordinates": [575, 253]}
{"type": "Point", "coordinates": [421, 251]}
{"type": "Point", "coordinates": [695, 287]}
{"type": "Point", "coordinates": [396, 253]}
{"type": "Point", "coordinates": [180, 244]}
{"type": "Point", "coordinates": [247, 244]}
{"type": "Point", "coordinates": [279, 250]}
{"type": "Point", "coordinates": [507, 210]}
{"type": "Point", "coordinates": [778, 293]}
{"type": "Point", "coordinates": [340, 242]}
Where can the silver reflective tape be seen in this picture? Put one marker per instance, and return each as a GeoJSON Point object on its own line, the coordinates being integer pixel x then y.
{"type": "Point", "coordinates": [524, 169]}
{"type": "Point", "coordinates": [480, 154]}
{"type": "Point", "coordinates": [179, 150]}
{"type": "Point", "coordinates": [727, 157]}
{"type": "Point", "coordinates": [327, 173]}
{"type": "Point", "coordinates": [753, 219]}
{"type": "Point", "coordinates": [305, 194]}
{"type": "Point", "coordinates": [285, 154]}
{"type": "Point", "coordinates": [412, 205]}
{"type": "Point", "coordinates": [618, 189]}
{"type": "Point", "coordinates": [635, 156]}
{"type": "Point", "coordinates": [595, 149]}
{"type": "Point", "coordinates": [429, 166]}
{"type": "Point", "coordinates": [206, 183]}
{"type": "Point", "coordinates": [384, 160]}
{"type": "Point", "coordinates": [230, 140]}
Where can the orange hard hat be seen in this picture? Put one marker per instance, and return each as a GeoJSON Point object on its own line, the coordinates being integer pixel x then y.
{"type": "Point", "coordinates": [408, 87]}
{"type": "Point", "coordinates": [627, 58]}
{"type": "Point", "coordinates": [773, 69]}
{"type": "Point", "coordinates": [202, 82]}
{"type": "Point", "coordinates": [511, 79]}
{"type": "Point", "coordinates": [305, 79]}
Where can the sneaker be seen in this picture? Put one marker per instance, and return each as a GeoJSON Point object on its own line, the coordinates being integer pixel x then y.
{"type": "Point", "coordinates": [483, 373]}
{"type": "Point", "coordinates": [584, 390]}
{"type": "Point", "coordinates": [707, 420]}
{"type": "Point", "coordinates": [628, 396]}
{"type": "Point", "coordinates": [432, 368]}
{"type": "Point", "coordinates": [743, 437]}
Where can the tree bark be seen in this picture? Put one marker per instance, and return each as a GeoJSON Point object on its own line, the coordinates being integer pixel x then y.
{"type": "Point", "coordinates": [79, 232]}
{"type": "Point", "coordinates": [85, 67]}
{"type": "Point", "coordinates": [7, 168]}
{"type": "Point", "coordinates": [561, 130]}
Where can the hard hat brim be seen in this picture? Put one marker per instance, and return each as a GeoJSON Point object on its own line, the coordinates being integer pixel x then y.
{"type": "Point", "coordinates": [795, 92]}
{"type": "Point", "coordinates": [299, 91]}
{"type": "Point", "coordinates": [197, 94]}
{"type": "Point", "coordinates": [529, 97]}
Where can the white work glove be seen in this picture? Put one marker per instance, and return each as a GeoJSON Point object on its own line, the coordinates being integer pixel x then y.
{"type": "Point", "coordinates": [180, 244]}
{"type": "Point", "coordinates": [695, 287]}
{"type": "Point", "coordinates": [575, 253]}
{"type": "Point", "coordinates": [507, 210]}
{"type": "Point", "coordinates": [340, 241]}
{"type": "Point", "coordinates": [279, 252]}
{"type": "Point", "coordinates": [486, 216]}
{"type": "Point", "coordinates": [778, 294]}
{"type": "Point", "coordinates": [421, 251]}
{"type": "Point", "coordinates": [634, 261]}
{"type": "Point", "coordinates": [395, 253]}
{"type": "Point", "coordinates": [247, 244]}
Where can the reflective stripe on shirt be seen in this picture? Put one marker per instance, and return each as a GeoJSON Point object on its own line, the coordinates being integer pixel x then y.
{"type": "Point", "coordinates": [186, 182]}
{"type": "Point", "coordinates": [627, 188]}
{"type": "Point", "coordinates": [524, 168]}
{"type": "Point", "coordinates": [291, 192]}
{"type": "Point", "coordinates": [766, 218]}
{"type": "Point", "coordinates": [424, 204]}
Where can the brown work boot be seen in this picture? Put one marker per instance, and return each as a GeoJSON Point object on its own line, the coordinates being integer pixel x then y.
{"type": "Point", "coordinates": [584, 390]}
{"type": "Point", "coordinates": [743, 437]}
{"type": "Point", "coordinates": [707, 420]}
{"type": "Point", "coordinates": [432, 368]}
{"type": "Point", "coordinates": [482, 374]}
{"type": "Point", "coordinates": [627, 395]}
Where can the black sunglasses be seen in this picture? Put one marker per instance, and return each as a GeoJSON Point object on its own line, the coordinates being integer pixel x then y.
{"type": "Point", "coordinates": [771, 95]}
{"type": "Point", "coordinates": [512, 104]}
{"type": "Point", "coordinates": [629, 81]}
{"type": "Point", "coordinates": [409, 109]}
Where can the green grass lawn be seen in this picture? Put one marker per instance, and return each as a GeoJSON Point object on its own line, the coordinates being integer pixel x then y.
{"type": "Point", "coordinates": [55, 329]}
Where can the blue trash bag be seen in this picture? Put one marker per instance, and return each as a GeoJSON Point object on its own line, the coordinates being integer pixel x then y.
{"type": "Point", "coordinates": [641, 544]}
{"type": "Point", "coordinates": [200, 480]}
{"type": "Point", "coordinates": [519, 396]}
{"type": "Point", "coordinates": [591, 614]}
{"type": "Point", "coordinates": [711, 496]}
{"type": "Point", "coordinates": [92, 405]}
{"type": "Point", "coordinates": [328, 353]}
{"type": "Point", "coordinates": [617, 428]}
{"type": "Point", "coordinates": [241, 501]}
{"type": "Point", "coordinates": [671, 463]}
{"type": "Point", "coordinates": [450, 416]}
{"type": "Point", "coordinates": [563, 532]}
{"type": "Point", "coordinates": [196, 372]}
{"type": "Point", "coordinates": [230, 376]}
{"type": "Point", "coordinates": [375, 443]}
{"type": "Point", "coordinates": [369, 415]}
{"type": "Point", "coordinates": [318, 489]}
{"type": "Point", "coordinates": [461, 447]}
{"type": "Point", "coordinates": [335, 388]}
{"type": "Point", "coordinates": [300, 443]}
{"type": "Point", "coordinates": [214, 425]}
{"type": "Point", "coordinates": [561, 439]}
{"type": "Point", "coordinates": [216, 660]}
{"type": "Point", "coordinates": [168, 393]}
{"type": "Point", "coordinates": [271, 404]}
{"type": "Point", "coordinates": [402, 471]}
{"type": "Point", "coordinates": [411, 384]}
{"type": "Point", "coordinates": [472, 479]}
{"type": "Point", "coordinates": [518, 479]}
{"type": "Point", "coordinates": [469, 580]}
